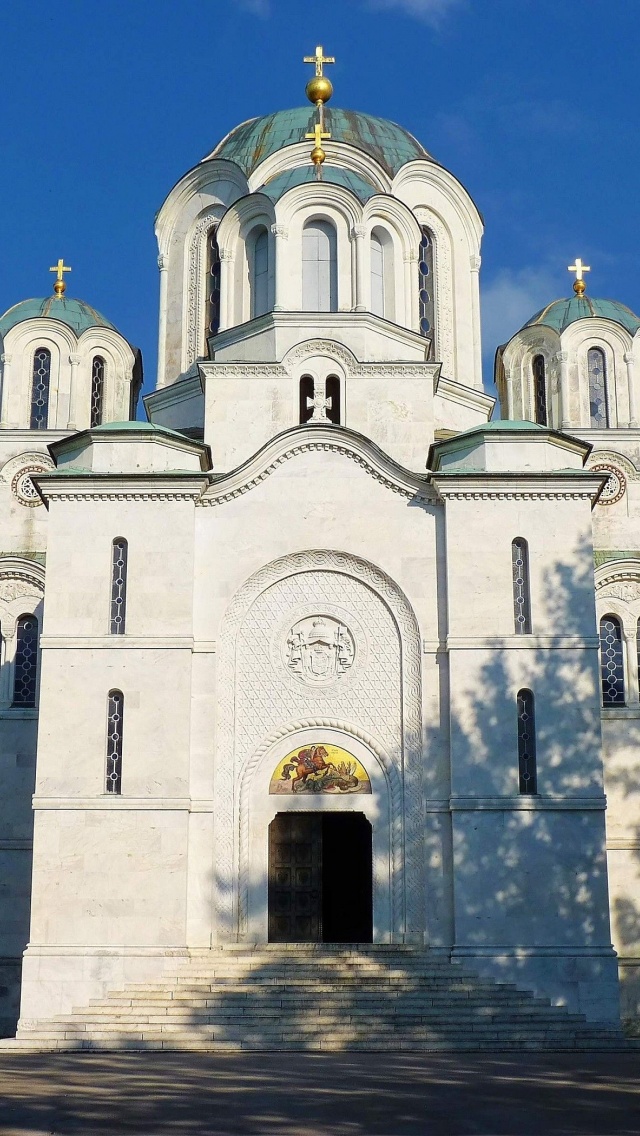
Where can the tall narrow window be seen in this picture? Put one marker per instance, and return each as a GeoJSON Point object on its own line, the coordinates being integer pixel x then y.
{"type": "Point", "coordinates": [611, 661]}
{"type": "Point", "coordinates": [40, 389]}
{"type": "Point", "coordinates": [526, 742]}
{"type": "Point", "coordinates": [115, 721]}
{"type": "Point", "coordinates": [425, 285]}
{"type": "Point", "coordinates": [213, 285]}
{"type": "Point", "coordinates": [521, 600]}
{"type": "Point", "coordinates": [306, 392]}
{"type": "Point", "coordinates": [26, 662]}
{"type": "Point", "coordinates": [598, 393]}
{"type": "Point", "coordinates": [332, 391]}
{"type": "Point", "coordinates": [259, 275]}
{"type": "Point", "coordinates": [319, 267]}
{"type": "Point", "coordinates": [377, 275]}
{"type": "Point", "coordinates": [118, 586]}
{"type": "Point", "coordinates": [540, 390]}
{"type": "Point", "coordinates": [97, 390]}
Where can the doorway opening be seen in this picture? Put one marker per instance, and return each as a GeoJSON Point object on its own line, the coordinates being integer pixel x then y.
{"type": "Point", "coordinates": [320, 878]}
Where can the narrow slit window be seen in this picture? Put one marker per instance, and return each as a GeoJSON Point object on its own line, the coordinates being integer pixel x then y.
{"type": "Point", "coordinates": [40, 382]}
{"type": "Point", "coordinates": [521, 599]}
{"type": "Point", "coordinates": [260, 274]}
{"type": "Point", "coordinates": [598, 392]}
{"type": "Point", "coordinates": [115, 722]}
{"type": "Point", "coordinates": [118, 586]}
{"type": "Point", "coordinates": [97, 389]}
{"type": "Point", "coordinates": [611, 661]}
{"type": "Point", "coordinates": [540, 390]}
{"type": "Point", "coordinates": [332, 391]}
{"type": "Point", "coordinates": [306, 392]}
{"type": "Point", "coordinates": [377, 275]}
{"type": "Point", "coordinates": [425, 285]}
{"type": "Point", "coordinates": [319, 267]}
{"type": "Point", "coordinates": [527, 772]}
{"type": "Point", "coordinates": [25, 677]}
{"type": "Point", "coordinates": [212, 322]}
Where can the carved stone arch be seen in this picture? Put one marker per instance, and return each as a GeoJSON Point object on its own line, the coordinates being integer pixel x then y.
{"type": "Point", "coordinates": [237, 745]}
{"type": "Point", "coordinates": [196, 274]}
{"type": "Point", "coordinates": [312, 347]}
{"type": "Point", "coordinates": [444, 345]}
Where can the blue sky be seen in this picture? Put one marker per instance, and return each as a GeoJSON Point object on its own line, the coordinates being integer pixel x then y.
{"type": "Point", "coordinates": [533, 104]}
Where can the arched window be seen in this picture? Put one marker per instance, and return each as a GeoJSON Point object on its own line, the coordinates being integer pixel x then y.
{"type": "Point", "coordinates": [521, 599]}
{"type": "Point", "coordinates": [118, 586]}
{"type": "Point", "coordinates": [212, 322]}
{"type": "Point", "coordinates": [306, 392]}
{"type": "Point", "coordinates": [115, 722]}
{"type": "Point", "coordinates": [319, 267]}
{"type": "Point", "coordinates": [377, 275]}
{"type": "Point", "coordinates": [259, 273]}
{"type": "Point", "coordinates": [526, 742]}
{"type": "Point", "coordinates": [26, 662]}
{"type": "Point", "coordinates": [425, 285]}
{"type": "Point", "coordinates": [97, 390]}
{"type": "Point", "coordinates": [540, 390]}
{"type": "Point", "coordinates": [598, 393]}
{"type": "Point", "coordinates": [611, 661]}
{"type": "Point", "coordinates": [332, 391]}
{"type": "Point", "coordinates": [40, 389]}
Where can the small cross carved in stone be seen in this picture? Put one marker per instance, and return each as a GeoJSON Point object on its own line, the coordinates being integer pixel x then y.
{"type": "Point", "coordinates": [320, 404]}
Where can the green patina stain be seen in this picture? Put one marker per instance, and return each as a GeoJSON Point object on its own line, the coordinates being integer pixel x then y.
{"type": "Point", "coordinates": [38, 557]}
{"type": "Point", "coordinates": [604, 555]}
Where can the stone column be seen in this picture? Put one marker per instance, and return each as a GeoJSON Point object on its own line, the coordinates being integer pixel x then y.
{"type": "Point", "coordinates": [4, 407]}
{"type": "Point", "coordinates": [226, 289]}
{"type": "Point", "coordinates": [74, 359]}
{"type": "Point", "coordinates": [563, 359]}
{"type": "Point", "coordinates": [358, 233]}
{"type": "Point", "coordinates": [631, 379]}
{"type": "Point", "coordinates": [163, 265]}
{"type": "Point", "coordinates": [411, 292]}
{"type": "Point", "coordinates": [280, 235]}
{"type": "Point", "coordinates": [508, 383]}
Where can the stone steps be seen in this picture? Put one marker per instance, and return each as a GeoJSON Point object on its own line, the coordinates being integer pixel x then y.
{"type": "Point", "coordinates": [317, 998]}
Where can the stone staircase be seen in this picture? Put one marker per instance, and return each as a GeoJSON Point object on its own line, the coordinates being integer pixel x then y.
{"type": "Point", "coordinates": [307, 997]}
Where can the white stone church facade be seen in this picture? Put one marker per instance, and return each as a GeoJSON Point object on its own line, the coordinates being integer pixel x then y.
{"type": "Point", "coordinates": [319, 580]}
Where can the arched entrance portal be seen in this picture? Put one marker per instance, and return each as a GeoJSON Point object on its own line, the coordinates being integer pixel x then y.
{"type": "Point", "coordinates": [320, 878]}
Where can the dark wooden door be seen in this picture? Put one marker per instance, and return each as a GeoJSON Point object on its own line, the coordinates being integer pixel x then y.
{"type": "Point", "coordinates": [295, 878]}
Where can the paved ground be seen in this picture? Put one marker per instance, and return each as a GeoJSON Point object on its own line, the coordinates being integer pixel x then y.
{"type": "Point", "coordinates": [271, 1094]}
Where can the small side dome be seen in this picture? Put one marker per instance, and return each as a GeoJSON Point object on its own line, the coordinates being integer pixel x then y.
{"type": "Point", "coordinates": [561, 313]}
{"type": "Point", "coordinates": [74, 313]}
{"type": "Point", "coordinates": [250, 143]}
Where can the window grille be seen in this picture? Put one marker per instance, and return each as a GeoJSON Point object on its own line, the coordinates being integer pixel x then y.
{"type": "Point", "coordinates": [598, 393]}
{"type": "Point", "coordinates": [521, 601]}
{"type": "Point", "coordinates": [332, 391]}
{"type": "Point", "coordinates": [377, 275]}
{"type": "Point", "coordinates": [260, 275]}
{"type": "Point", "coordinates": [26, 661]}
{"type": "Point", "coordinates": [115, 721]}
{"type": "Point", "coordinates": [527, 742]}
{"type": "Point", "coordinates": [118, 587]}
{"type": "Point", "coordinates": [540, 390]}
{"type": "Point", "coordinates": [40, 389]}
{"type": "Point", "coordinates": [319, 267]}
{"type": "Point", "coordinates": [213, 285]}
{"type": "Point", "coordinates": [425, 285]}
{"type": "Point", "coordinates": [611, 661]}
{"type": "Point", "coordinates": [97, 389]}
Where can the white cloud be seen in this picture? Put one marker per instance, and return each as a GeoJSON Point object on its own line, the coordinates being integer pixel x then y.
{"type": "Point", "coordinates": [430, 11]}
{"type": "Point", "coordinates": [512, 297]}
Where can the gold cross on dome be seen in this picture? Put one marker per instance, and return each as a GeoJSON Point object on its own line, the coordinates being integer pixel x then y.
{"type": "Point", "coordinates": [319, 59]}
{"type": "Point", "coordinates": [60, 268]}
{"type": "Point", "coordinates": [579, 268]}
{"type": "Point", "coordinates": [318, 135]}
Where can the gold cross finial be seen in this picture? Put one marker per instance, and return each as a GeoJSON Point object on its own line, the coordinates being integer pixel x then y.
{"type": "Point", "coordinates": [319, 59]}
{"type": "Point", "coordinates": [317, 154]}
{"type": "Point", "coordinates": [579, 268]}
{"type": "Point", "coordinates": [59, 285]}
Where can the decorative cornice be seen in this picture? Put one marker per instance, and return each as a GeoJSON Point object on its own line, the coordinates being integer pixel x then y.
{"type": "Point", "coordinates": [328, 439]}
{"type": "Point", "coordinates": [616, 572]}
{"type": "Point", "coordinates": [523, 487]}
{"type": "Point", "coordinates": [147, 487]}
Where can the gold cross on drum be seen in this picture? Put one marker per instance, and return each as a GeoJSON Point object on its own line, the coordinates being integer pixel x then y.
{"type": "Point", "coordinates": [60, 268]}
{"type": "Point", "coordinates": [317, 154]}
{"type": "Point", "coordinates": [319, 59]}
{"type": "Point", "coordinates": [579, 268]}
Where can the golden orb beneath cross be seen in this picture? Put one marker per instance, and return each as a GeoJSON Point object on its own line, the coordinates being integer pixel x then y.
{"type": "Point", "coordinates": [319, 89]}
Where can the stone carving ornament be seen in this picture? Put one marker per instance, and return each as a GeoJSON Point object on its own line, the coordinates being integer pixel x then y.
{"type": "Point", "coordinates": [615, 486]}
{"type": "Point", "coordinates": [18, 471]}
{"type": "Point", "coordinates": [319, 650]}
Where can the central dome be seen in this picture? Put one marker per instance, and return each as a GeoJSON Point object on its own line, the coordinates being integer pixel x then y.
{"type": "Point", "coordinates": [250, 143]}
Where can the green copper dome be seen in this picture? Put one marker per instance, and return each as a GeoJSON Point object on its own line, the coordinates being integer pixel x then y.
{"type": "Point", "coordinates": [302, 175]}
{"type": "Point", "coordinates": [253, 141]}
{"type": "Point", "coordinates": [75, 313]}
{"type": "Point", "coordinates": [561, 313]}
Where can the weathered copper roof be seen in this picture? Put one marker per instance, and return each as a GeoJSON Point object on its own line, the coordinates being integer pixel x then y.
{"type": "Point", "coordinates": [253, 141]}
{"type": "Point", "coordinates": [275, 188]}
{"type": "Point", "coordinates": [561, 313]}
{"type": "Point", "coordinates": [75, 313]}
